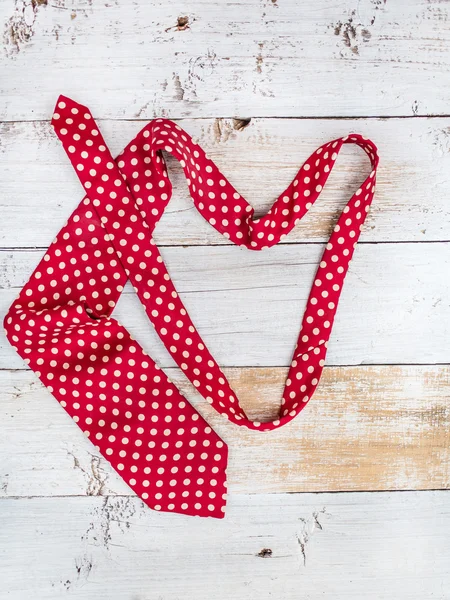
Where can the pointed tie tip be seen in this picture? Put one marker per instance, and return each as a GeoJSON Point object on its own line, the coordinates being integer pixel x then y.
{"type": "Point", "coordinates": [65, 107]}
{"type": "Point", "coordinates": [212, 504]}
{"type": "Point", "coordinates": [66, 102]}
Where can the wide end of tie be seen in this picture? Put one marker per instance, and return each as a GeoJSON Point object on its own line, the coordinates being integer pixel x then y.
{"type": "Point", "coordinates": [192, 484]}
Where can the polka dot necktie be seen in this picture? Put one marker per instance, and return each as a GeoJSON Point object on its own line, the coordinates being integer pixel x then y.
{"type": "Point", "coordinates": [61, 322]}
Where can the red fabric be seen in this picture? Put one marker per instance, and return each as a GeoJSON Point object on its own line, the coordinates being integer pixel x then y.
{"type": "Point", "coordinates": [61, 322]}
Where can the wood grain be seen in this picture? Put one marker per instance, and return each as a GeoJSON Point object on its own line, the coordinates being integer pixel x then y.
{"type": "Point", "coordinates": [40, 188]}
{"type": "Point", "coordinates": [328, 546]}
{"type": "Point", "coordinates": [249, 58]}
{"type": "Point", "coordinates": [367, 428]}
{"type": "Point", "coordinates": [394, 308]}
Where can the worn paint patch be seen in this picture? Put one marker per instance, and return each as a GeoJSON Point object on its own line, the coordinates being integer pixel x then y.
{"type": "Point", "coordinates": [308, 527]}
{"type": "Point", "coordinates": [352, 32]}
{"type": "Point", "coordinates": [259, 58]}
{"type": "Point", "coordinates": [348, 33]}
{"type": "Point", "coordinates": [264, 68]}
{"type": "Point", "coordinates": [181, 25]}
{"type": "Point", "coordinates": [179, 90]}
{"type": "Point", "coordinates": [95, 475]}
{"type": "Point", "coordinates": [440, 141]}
{"type": "Point", "coordinates": [115, 512]}
{"type": "Point", "coordinates": [20, 27]}
{"type": "Point", "coordinates": [436, 13]}
{"type": "Point", "coordinates": [273, 3]}
{"type": "Point", "coordinates": [83, 567]}
{"type": "Point", "coordinates": [200, 68]}
{"type": "Point", "coordinates": [224, 129]}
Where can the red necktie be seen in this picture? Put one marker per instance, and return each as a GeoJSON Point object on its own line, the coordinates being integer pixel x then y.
{"type": "Point", "coordinates": [61, 322]}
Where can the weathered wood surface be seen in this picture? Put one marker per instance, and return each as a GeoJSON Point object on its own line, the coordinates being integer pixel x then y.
{"type": "Point", "coordinates": [40, 188]}
{"type": "Point", "coordinates": [246, 58]}
{"type": "Point", "coordinates": [329, 546]}
{"type": "Point", "coordinates": [367, 428]}
{"type": "Point", "coordinates": [394, 308]}
{"type": "Point", "coordinates": [376, 426]}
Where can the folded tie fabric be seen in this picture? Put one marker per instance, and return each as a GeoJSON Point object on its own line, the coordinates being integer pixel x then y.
{"type": "Point", "coordinates": [61, 322]}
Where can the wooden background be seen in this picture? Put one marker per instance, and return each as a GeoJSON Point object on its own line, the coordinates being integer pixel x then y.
{"type": "Point", "coordinates": [351, 499]}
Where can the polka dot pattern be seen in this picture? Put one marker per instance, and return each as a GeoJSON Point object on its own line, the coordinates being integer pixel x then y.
{"type": "Point", "coordinates": [61, 323]}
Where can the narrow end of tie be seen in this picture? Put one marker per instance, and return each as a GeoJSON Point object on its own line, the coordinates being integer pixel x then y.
{"type": "Point", "coordinates": [66, 111]}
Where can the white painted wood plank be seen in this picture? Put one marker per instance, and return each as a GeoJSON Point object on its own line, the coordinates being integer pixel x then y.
{"type": "Point", "coordinates": [249, 57]}
{"type": "Point", "coordinates": [327, 546]}
{"type": "Point", "coordinates": [394, 308]}
{"type": "Point", "coordinates": [367, 428]}
{"type": "Point", "coordinates": [40, 189]}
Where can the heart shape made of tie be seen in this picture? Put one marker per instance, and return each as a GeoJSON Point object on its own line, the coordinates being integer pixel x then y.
{"type": "Point", "coordinates": [61, 322]}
